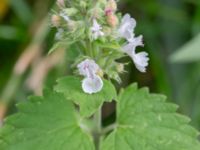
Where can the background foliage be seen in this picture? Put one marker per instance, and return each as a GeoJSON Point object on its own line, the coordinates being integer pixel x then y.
{"type": "Point", "coordinates": [167, 26]}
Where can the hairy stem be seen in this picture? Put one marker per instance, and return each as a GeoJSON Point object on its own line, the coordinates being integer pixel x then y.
{"type": "Point", "coordinates": [98, 128]}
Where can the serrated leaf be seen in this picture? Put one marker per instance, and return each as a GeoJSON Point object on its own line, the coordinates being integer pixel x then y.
{"type": "Point", "coordinates": [146, 122]}
{"type": "Point", "coordinates": [44, 123]}
{"type": "Point", "coordinates": [89, 103]}
{"type": "Point", "coordinates": [190, 52]}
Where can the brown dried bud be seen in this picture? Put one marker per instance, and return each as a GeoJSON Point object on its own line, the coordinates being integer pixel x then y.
{"type": "Point", "coordinates": [112, 20]}
{"type": "Point", "coordinates": [55, 20]}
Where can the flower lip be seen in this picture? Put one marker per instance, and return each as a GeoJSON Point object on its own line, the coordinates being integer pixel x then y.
{"type": "Point", "coordinates": [141, 61]}
{"type": "Point", "coordinates": [92, 85]}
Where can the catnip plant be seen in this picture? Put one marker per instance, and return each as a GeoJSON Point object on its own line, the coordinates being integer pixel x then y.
{"type": "Point", "coordinates": [69, 117]}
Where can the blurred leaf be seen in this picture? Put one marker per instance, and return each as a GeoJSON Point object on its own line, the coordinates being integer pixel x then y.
{"type": "Point", "coordinates": [22, 9]}
{"type": "Point", "coordinates": [10, 33]}
{"type": "Point", "coordinates": [190, 52]}
{"type": "Point", "coordinates": [44, 123]}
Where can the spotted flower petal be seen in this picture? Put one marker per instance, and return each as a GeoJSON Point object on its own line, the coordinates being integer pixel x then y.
{"type": "Point", "coordinates": [88, 67]}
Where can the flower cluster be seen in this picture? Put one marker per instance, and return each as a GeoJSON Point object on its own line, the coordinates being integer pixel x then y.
{"type": "Point", "coordinates": [104, 37]}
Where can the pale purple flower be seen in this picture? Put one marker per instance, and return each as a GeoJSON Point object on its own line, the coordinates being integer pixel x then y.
{"type": "Point", "coordinates": [140, 59]}
{"type": "Point", "coordinates": [96, 30]}
{"type": "Point", "coordinates": [92, 83]}
{"type": "Point", "coordinates": [127, 27]}
{"type": "Point", "coordinates": [126, 30]}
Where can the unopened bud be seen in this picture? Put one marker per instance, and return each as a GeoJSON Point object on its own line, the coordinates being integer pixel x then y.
{"type": "Point", "coordinates": [72, 25]}
{"type": "Point", "coordinates": [55, 20]}
{"type": "Point", "coordinates": [100, 73]}
{"type": "Point", "coordinates": [111, 6]}
{"type": "Point", "coordinates": [112, 20]}
{"type": "Point", "coordinates": [83, 4]}
{"type": "Point", "coordinates": [61, 3]}
{"type": "Point", "coordinates": [120, 68]}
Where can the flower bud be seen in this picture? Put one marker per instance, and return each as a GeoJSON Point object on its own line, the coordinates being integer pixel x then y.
{"type": "Point", "coordinates": [61, 3]}
{"type": "Point", "coordinates": [100, 73]}
{"type": "Point", "coordinates": [112, 20]}
{"type": "Point", "coordinates": [83, 4]}
{"type": "Point", "coordinates": [72, 25]}
{"type": "Point", "coordinates": [120, 68]}
{"type": "Point", "coordinates": [111, 6]}
{"type": "Point", "coordinates": [55, 20]}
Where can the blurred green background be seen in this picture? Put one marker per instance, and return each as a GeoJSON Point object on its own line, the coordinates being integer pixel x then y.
{"type": "Point", "coordinates": [171, 36]}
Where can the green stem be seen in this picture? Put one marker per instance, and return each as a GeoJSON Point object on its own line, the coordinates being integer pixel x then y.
{"type": "Point", "coordinates": [108, 129]}
{"type": "Point", "coordinates": [98, 128]}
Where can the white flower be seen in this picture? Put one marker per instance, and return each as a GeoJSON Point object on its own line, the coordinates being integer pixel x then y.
{"type": "Point", "coordinates": [140, 59]}
{"type": "Point", "coordinates": [96, 30]}
{"type": "Point", "coordinates": [64, 15]}
{"type": "Point", "coordinates": [132, 44]}
{"type": "Point", "coordinates": [126, 27]}
{"type": "Point", "coordinates": [88, 67]}
{"type": "Point", "coordinates": [92, 83]}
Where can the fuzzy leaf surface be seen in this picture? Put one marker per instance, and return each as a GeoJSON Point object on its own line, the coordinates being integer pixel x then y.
{"type": "Point", "coordinates": [89, 103]}
{"type": "Point", "coordinates": [146, 122]}
{"type": "Point", "coordinates": [44, 123]}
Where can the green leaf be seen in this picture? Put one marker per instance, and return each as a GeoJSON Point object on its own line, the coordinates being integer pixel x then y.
{"type": "Point", "coordinates": [60, 44]}
{"type": "Point", "coordinates": [89, 103]}
{"type": "Point", "coordinates": [22, 9]}
{"type": "Point", "coordinates": [189, 52]}
{"type": "Point", "coordinates": [146, 122]}
{"type": "Point", "coordinates": [44, 123]}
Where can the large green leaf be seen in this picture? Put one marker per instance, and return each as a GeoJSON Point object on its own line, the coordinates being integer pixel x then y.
{"type": "Point", "coordinates": [44, 123]}
{"type": "Point", "coordinates": [190, 52]}
{"type": "Point", "coordinates": [146, 122]}
{"type": "Point", "coordinates": [89, 103]}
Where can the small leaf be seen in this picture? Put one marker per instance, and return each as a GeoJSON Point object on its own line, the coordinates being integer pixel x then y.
{"type": "Point", "coordinates": [146, 122]}
{"type": "Point", "coordinates": [189, 52]}
{"type": "Point", "coordinates": [89, 103]}
{"type": "Point", "coordinates": [44, 123]}
{"type": "Point", "coordinates": [60, 44]}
